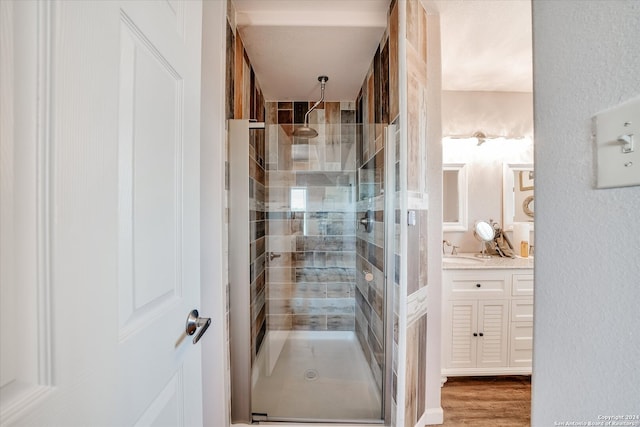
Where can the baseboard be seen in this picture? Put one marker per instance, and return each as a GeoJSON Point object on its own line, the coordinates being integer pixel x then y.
{"type": "Point", "coordinates": [432, 416]}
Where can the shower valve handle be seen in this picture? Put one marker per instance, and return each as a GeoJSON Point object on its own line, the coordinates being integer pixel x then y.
{"type": "Point", "coordinates": [367, 221]}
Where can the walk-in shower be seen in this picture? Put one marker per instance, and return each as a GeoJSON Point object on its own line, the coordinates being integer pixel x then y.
{"type": "Point", "coordinates": [309, 305]}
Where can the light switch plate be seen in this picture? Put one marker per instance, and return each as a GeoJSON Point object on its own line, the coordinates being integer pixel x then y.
{"type": "Point", "coordinates": [411, 218]}
{"type": "Point", "coordinates": [617, 145]}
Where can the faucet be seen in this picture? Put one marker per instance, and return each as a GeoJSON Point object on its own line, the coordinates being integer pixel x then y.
{"type": "Point", "coordinates": [453, 247]}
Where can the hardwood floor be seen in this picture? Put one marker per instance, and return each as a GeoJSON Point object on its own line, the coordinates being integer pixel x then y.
{"type": "Point", "coordinates": [503, 401]}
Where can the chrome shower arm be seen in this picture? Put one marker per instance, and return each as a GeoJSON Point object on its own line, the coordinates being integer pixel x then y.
{"type": "Point", "coordinates": [323, 80]}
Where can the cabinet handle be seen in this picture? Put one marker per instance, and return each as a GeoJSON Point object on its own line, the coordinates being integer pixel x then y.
{"type": "Point", "coordinates": [478, 285]}
{"type": "Point", "coordinates": [481, 334]}
{"type": "Point", "coordinates": [475, 334]}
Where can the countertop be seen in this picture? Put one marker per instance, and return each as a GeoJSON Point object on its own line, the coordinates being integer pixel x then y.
{"type": "Point", "coordinates": [469, 261]}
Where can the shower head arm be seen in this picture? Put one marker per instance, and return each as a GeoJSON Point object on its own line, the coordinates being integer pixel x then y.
{"type": "Point", "coordinates": [323, 81]}
{"type": "Point", "coordinates": [306, 116]}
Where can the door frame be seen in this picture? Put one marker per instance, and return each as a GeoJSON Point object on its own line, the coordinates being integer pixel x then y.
{"type": "Point", "coordinates": [213, 227]}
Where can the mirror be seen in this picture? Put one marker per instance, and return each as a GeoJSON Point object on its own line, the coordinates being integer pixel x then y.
{"type": "Point", "coordinates": [454, 197]}
{"type": "Point", "coordinates": [484, 232]}
{"type": "Point", "coordinates": [517, 194]}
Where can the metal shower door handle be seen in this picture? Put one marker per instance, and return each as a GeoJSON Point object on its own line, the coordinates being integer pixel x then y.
{"type": "Point", "coordinates": [194, 322]}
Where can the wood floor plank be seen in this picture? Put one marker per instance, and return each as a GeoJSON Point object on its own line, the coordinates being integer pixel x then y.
{"type": "Point", "coordinates": [503, 401]}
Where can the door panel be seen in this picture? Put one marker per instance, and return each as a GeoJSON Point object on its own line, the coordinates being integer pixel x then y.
{"type": "Point", "coordinates": [493, 324]}
{"type": "Point", "coordinates": [464, 322]}
{"type": "Point", "coordinates": [150, 193]}
{"type": "Point", "coordinates": [121, 189]}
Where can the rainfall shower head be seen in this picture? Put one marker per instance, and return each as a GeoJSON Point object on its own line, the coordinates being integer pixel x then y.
{"type": "Point", "coordinates": [305, 131]}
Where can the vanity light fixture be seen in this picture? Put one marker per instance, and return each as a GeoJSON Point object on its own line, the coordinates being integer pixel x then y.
{"type": "Point", "coordinates": [481, 137]}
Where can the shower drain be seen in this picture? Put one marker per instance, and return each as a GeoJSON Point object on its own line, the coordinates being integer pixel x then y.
{"type": "Point", "coordinates": [310, 375]}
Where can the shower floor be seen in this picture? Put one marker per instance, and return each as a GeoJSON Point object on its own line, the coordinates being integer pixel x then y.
{"type": "Point", "coordinates": [317, 376]}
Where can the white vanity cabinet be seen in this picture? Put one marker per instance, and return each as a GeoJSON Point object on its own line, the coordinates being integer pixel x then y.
{"type": "Point", "coordinates": [487, 321]}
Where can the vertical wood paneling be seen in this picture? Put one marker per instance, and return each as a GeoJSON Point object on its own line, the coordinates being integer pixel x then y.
{"type": "Point", "coordinates": [238, 77]}
{"type": "Point", "coordinates": [394, 82]}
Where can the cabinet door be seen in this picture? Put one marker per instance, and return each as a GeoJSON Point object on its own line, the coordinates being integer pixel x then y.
{"type": "Point", "coordinates": [460, 344]}
{"type": "Point", "coordinates": [493, 323]}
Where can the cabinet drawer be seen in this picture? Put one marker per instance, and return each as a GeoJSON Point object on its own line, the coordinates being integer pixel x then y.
{"type": "Point", "coordinates": [522, 285]}
{"type": "Point", "coordinates": [522, 310]}
{"type": "Point", "coordinates": [521, 346]}
{"type": "Point", "coordinates": [486, 286]}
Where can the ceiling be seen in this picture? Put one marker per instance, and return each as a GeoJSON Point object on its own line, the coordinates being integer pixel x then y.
{"type": "Point", "coordinates": [486, 44]}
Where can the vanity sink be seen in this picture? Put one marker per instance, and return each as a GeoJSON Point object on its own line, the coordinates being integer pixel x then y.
{"type": "Point", "coordinates": [469, 261]}
{"type": "Point", "coordinates": [463, 260]}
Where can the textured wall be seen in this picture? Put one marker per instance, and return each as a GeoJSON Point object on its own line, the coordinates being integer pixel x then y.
{"type": "Point", "coordinates": [587, 326]}
{"type": "Point", "coordinates": [506, 114]}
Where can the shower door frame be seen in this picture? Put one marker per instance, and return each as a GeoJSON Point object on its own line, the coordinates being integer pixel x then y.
{"type": "Point", "coordinates": [389, 133]}
{"type": "Point", "coordinates": [239, 299]}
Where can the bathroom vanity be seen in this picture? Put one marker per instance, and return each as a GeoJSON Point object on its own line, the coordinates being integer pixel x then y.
{"type": "Point", "coordinates": [487, 315]}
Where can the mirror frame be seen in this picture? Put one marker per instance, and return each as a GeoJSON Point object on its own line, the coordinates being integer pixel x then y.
{"type": "Point", "coordinates": [463, 211]}
{"type": "Point", "coordinates": [508, 184]}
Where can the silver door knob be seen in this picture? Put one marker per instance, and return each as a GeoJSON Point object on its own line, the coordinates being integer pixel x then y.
{"type": "Point", "coordinates": [194, 321]}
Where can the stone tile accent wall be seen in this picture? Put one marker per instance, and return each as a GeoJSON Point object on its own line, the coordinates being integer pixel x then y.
{"type": "Point", "coordinates": [310, 203]}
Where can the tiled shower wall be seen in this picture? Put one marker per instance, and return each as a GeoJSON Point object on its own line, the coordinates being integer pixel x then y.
{"type": "Point", "coordinates": [257, 233]}
{"type": "Point", "coordinates": [373, 112]}
{"type": "Point", "coordinates": [244, 100]}
{"type": "Point", "coordinates": [311, 217]}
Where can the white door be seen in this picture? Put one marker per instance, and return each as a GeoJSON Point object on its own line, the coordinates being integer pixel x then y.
{"type": "Point", "coordinates": [100, 216]}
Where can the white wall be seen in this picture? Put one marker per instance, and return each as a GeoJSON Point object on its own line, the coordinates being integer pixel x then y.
{"type": "Point", "coordinates": [506, 114]}
{"type": "Point", "coordinates": [587, 299]}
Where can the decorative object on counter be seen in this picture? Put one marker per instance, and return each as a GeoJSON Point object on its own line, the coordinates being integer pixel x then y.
{"type": "Point", "coordinates": [504, 248]}
{"type": "Point", "coordinates": [484, 232]}
{"type": "Point", "coordinates": [454, 248]}
{"type": "Point", "coordinates": [527, 206]}
{"type": "Point", "coordinates": [492, 236]}
{"type": "Point", "coordinates": [521, 237]}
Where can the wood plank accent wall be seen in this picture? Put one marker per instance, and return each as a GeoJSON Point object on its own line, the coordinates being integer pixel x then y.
{"type": "Point", "coordinates": [245, 101]}
{"type": "Point", "coordinates": [415, 40]}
